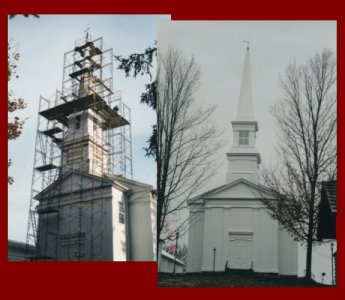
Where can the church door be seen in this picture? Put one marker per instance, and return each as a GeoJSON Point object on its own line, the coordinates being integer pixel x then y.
{"type": "Point", "coordinates": [240, 251]}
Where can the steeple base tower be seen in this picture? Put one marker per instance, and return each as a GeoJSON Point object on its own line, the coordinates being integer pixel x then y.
{"type": "Point", "coordinates": [243, 165]}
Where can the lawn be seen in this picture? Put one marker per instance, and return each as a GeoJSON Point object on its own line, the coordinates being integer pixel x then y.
{"type": "Point", "coordinates": [233, 280]}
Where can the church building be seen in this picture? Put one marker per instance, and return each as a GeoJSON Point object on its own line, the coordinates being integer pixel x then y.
{"type": "Point", "coordinates": [230, 227]}
{"type": "Point", "coordinates": [88, 212]}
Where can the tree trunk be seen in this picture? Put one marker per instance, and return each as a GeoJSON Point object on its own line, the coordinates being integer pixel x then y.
{"type": "Point", "coordinates": [160, 202]}
{"type": "Point", "coordinates": [309, 257]}
{"type": "Point", "coordinates": [310, 228]}
{"type": "Point", "coordinates": [159, 215]}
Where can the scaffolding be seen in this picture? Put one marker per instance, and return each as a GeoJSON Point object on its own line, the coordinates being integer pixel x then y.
{"type": "Point", "coordinates": [66, 221]}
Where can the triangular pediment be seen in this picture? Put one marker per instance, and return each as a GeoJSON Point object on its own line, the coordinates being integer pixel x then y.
{"type": "Point", "coordinates": [239, 189]}
{"type": "Point", "coordinates": [73, 182]}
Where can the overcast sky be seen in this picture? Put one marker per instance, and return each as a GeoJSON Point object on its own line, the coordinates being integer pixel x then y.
{"type": "Point", "coordinates": [42, 43]}
{"type": "Point", "coordinates": [219, 50]}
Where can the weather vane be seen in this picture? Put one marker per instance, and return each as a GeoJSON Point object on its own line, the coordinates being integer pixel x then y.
{"type": "Point", "coordinates": [87, 32]}
{"type": "Point", "coordinates": [247, 42]}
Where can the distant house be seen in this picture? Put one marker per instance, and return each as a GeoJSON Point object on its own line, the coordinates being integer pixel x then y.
{"type": "Point", "coordinates": [17, 251]}
{"type": "Point", "coordinates": [328, 211]}
{"type": "Point", "coordinates": [166, 263]}
{"type": "Point", "coordinates": [326, 227]}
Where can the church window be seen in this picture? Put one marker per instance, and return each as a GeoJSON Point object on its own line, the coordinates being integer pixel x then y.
{"type": "Point", "coordinates": [243, 137]}
{"type": "Point", "coordinates": [77, 122]}
{"type": "Point", "coordinates": [121, 212]}
{"type": "Point", "coordinates": [94, 124]}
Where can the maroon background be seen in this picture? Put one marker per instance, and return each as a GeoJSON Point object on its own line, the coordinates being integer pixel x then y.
{"type": "Point", "coordinates": [86, 280]}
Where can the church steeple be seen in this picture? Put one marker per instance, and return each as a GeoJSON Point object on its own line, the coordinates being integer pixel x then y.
{"type": "Point", "coordinates": [245, 110]}
{"type": "Point", "coordinates": [243, 159]}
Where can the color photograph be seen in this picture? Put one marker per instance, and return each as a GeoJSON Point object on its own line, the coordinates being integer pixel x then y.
{"type": "Point", "coordinates": [81, 186]}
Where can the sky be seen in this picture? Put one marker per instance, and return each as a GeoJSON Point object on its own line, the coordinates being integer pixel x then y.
{"type": "Point", "coordinates": [42, 43]}
{"type": "Point", "coordinates": [219, 51]}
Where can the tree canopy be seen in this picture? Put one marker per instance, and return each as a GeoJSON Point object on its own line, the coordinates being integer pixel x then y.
{"type": "Point", "coordinates": [306, 123]}
{"type": "Point", "coordinates": [15, 124]}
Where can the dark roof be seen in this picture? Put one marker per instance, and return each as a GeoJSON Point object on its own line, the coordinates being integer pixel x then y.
{"type": "Point", "coordinates": [20, 245]}
{"type": "Point", "coordinates": [20, 251]}
{"type": "Point", "coordinates": [329, 192]}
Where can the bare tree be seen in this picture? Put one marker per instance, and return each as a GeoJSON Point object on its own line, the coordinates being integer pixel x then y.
{"type": "Point", "coordinates": [186, 137]}
{"type": "Point", "coordinates": [306, 119]}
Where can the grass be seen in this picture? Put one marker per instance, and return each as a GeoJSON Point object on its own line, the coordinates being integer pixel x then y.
{"type": "Point", "coordinates": [233, 280]}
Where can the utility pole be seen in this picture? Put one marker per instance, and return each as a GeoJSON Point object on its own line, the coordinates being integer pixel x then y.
{"type": "Point", "coordinates": [214, 258]}
{"type": "Point", "coordinates": [177, 235]}
{"type": "Point", "coordinates": [332, 263]}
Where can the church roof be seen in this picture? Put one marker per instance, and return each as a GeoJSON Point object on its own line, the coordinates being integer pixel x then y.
{"type": "Point", "coordinates": [329, 189]}
{"type": "Point", "coordinates": [326, 226]}
{"type": "Point", "coordinates": [120, 182]}
{"type": "Point", "coordinates": [245, 110]}
{"type": "Point", "coordinates": [262, 190]}
{"type": "Point", "coordinates": [129, 182]}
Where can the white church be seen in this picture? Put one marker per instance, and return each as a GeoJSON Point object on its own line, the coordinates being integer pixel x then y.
{"type": "Point", "coordinates": [229, 226]}
{"type": "Point", "coordinates": [88, 213]}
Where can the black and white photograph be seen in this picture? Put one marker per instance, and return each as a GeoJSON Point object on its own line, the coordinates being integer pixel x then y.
{"type": "Point", "coordinates": [246, 120]}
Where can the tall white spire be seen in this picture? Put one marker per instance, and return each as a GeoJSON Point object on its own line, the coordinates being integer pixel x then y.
{"type": "Point", "coordinates": [245, 110]}
{"type": "Point", "coordinates": [243, 159]}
